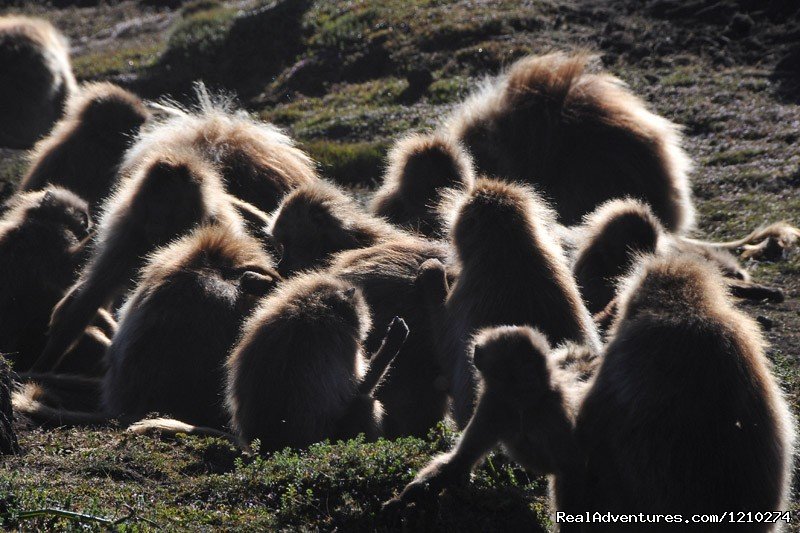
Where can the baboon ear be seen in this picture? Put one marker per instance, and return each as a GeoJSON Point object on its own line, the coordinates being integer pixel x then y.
{"type": "Point", "coordinates": [49, 198]}
{"type": "Point", "coordinates": [348, 293]}
{"type": "Point", "coordinates": [256, 283]}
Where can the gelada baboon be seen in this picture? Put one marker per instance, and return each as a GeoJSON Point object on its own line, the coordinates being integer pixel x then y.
{"type": "Point", "coordinates": [165, 196]}
{"type": "Point", "coordinates": [298, 375]}
{"type": "Point", "coordinates": [612, 238]}
{"type": "Point", "coordinates": [420, 166]}
{"type": "Point", "coordinates": [512, 272]}
{"type": "Point", "coordinates": [524, 404]}
{"type": "Point", "coordinates": [582, 138]}
{"type": "Point", "coordinates": [257, 161]}
{"type": "Point", "coordinates": [85, 149]}
{"type": "Point", "coordinates": [42, 242]}
{"type": "Point", "coordinates": [316, 221]}
{"type": "Point", "coordinates": [319, 225]}
{"type": "Point", "coordinates": [178, 325]}
{"type": "Point", "coordinates": [37, 79]}
{"type": "Point", "coordinates": [684, 415]}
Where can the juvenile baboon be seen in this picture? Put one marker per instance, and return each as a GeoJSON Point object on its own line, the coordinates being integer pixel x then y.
{"type": "Point", "coordinates": [37, 79]}
{"type": "Point", "coordinates": [684, 415]}
{"type": "Point", "coordinates": [85, 148]}
{"type": "Point", "coordinates": [298, 374]}
{"type": "Point", "coordinates": [165, 196]}
{"type": "Point", "coordinates": [524, 404]}
{"type": "Point", "coordinates": [319, 225]}
{"type": "Point", "coordinates": [257, 161]}
{"type": "Point", "coordinates": [582, 138]}
{"type": "Point", "coordinates": [178, 325]}
{"type": "Point", "coordinates": [613, 237]}
{"type": "Point", "coordinates": [42, 243]}
{"type": "Point", "coordinates": [512, 272]}
{"type": "Point", "coordinates": [420, 166]}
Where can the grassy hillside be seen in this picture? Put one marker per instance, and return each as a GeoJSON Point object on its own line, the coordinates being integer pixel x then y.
{"type": "Point", "coordinates": [346, 78]}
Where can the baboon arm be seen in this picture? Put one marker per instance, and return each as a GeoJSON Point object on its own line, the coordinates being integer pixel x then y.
{"type": "Point", "coordinates": [75, 311]}
{"type": "Point", "coordinates": [379, 363]}
{"type": "Point", "coordinates": [454, 468]}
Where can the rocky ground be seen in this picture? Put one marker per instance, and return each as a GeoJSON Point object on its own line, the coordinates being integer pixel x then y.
{"type": "Point", "coordinates": [346, 78]}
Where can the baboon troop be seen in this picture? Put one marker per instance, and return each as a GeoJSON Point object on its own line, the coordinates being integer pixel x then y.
{"type": "Point", "coordinates": [525, 273]}
{"type": "Point", "coordinates": [37, 79]}
{"type": "Point", "coordinates": [85, 148]}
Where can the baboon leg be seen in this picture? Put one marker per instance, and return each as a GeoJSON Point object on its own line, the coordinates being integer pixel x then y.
{"type": "Point", "coordinates": [105, 322]}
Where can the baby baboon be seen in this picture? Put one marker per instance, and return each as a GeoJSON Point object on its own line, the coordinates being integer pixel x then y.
{"type": "Point", "coordinates": [257, 161]}
{"type": "Point", "coordinates": [412, 398]}
{"type": "Point", "coordinates": [178, 325]}
{"type": "Point", "coordinates": [684, 415]}
{"type": "Point", "coordinates": [581, 138]}
{"type": "Point", "coordinates": [37, 79]}
{"type": "Point", "coordinates": [166, 195]}
{"type": "Point", "coordinates": [317, 220]}
{"type": "Point", "coordinates": [42, 241]}
{"type": "Point", "coordinates": [523, 404]}
{"type": "Point", "coordinates": [420, 166]}
{"type": "Point", "coordinates": [612, 238]}
{"type": "Point", "coordinates": [85, 148]}
{"type": "Point", "coordinates": [512, 271]}
{"type": "Point", "coordinates": [298, 376]}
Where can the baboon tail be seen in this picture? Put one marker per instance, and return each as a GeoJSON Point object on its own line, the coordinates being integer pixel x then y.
{"type": "Point", "coordinates": [28, 400]}
{"type": "Point", "coordinates": [172, 427]}
{"type": "Point", "coordinates": [768, 241]}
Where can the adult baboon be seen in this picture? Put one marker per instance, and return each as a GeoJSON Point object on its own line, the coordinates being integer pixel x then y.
{"type": "Point", "coordinates": [582, 138]}
{"type": "Point", "coordinates": [684, 415]}
{"type": "Point", "coordinates": [178, 325]}
{"type": "Point", "coordinates": [298, 374]}
{"type": "Point", "coordinates": [85, 149]}
{"type": "Point", "coordinates": [37, 79]}
{"type": "Point", "coordinates": [420, 167]}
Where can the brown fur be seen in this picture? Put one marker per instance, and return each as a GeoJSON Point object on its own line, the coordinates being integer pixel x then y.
{"type": "Point", "coordinates": [318, 220]}
{"type": "Point", "coordinates": [320, 225]}
{"type": "Point", "coordinates": [166, 195]}
{"type": "Point", "coordinates": [85, 148]}
{"type": "Point", "coordinates": [178, 325]}
{"type": "Point", "coordinates": [524, 404]}
{"type": "Point", "coordinates": [37, 79]}
{"type": "Point", "coordinates": [581, 138]}
{"type": "Point", "coordinates": [512, 272]}
{"type": "Point", "coordinates": [612, 238]}
{"type": "Point", "coordinates": [294, 377]}
{"type": "Point", "coordinates": [412, 399]}
{"type": "Point", "coordinates": [42, 238]}
{"type": "Point", "coordinates": [684, 415]}
{"type": "Point", "coordinates": [420, 166]}
{"type": "Point", "coordinates": [257, 161]}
